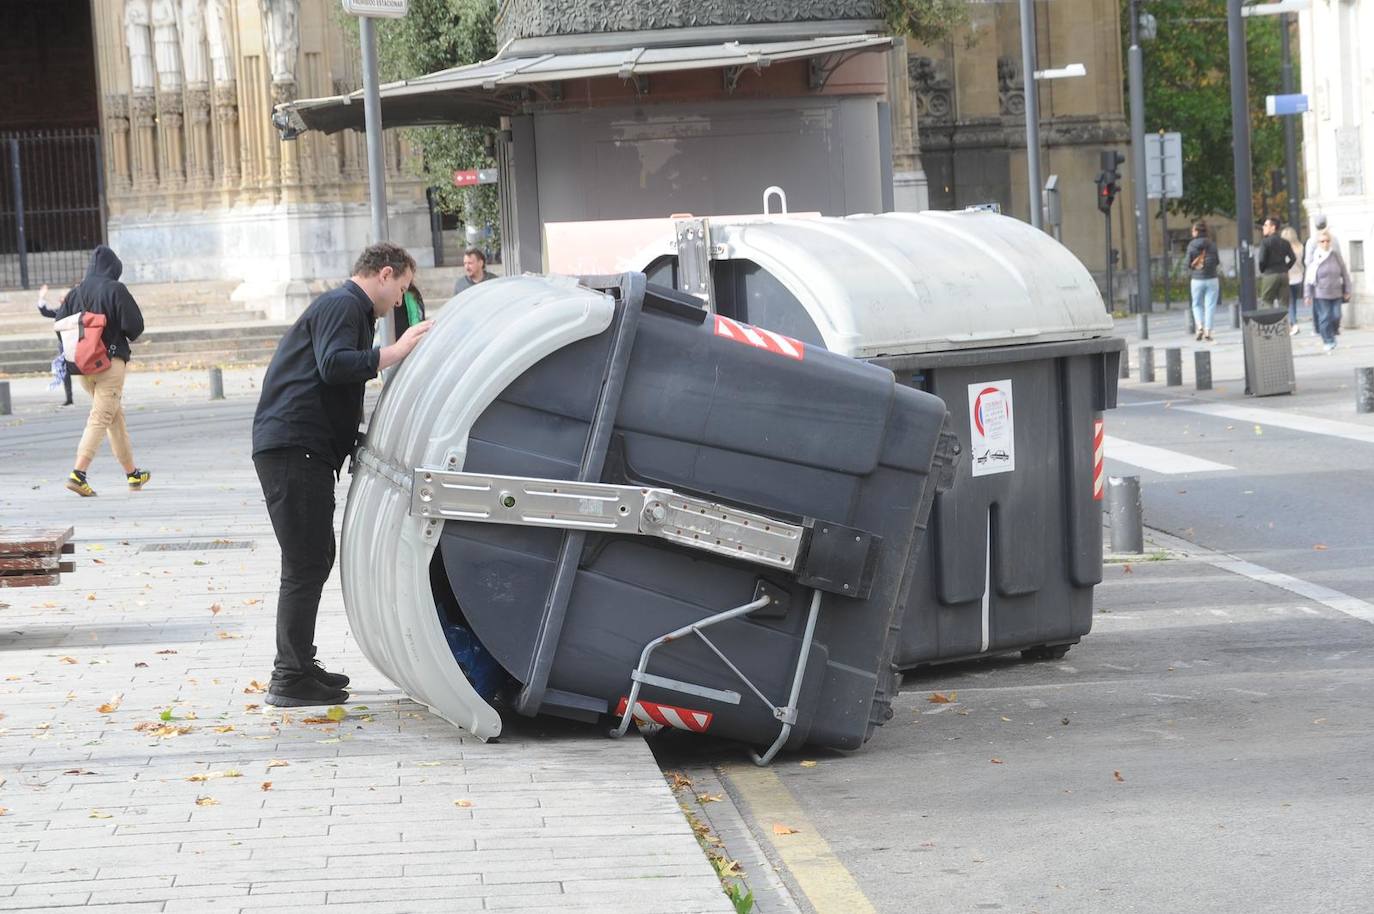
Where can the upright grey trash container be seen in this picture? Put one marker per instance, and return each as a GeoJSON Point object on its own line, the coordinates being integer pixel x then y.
{"type": "Point", "coordinates": [598, 501]}
{"type": "Point", "coordinates": [1268, 353]}
{"type": "Point", "coordinates": [1000, 321]}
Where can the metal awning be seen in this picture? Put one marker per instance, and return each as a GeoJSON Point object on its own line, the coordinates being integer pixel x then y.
{"type": "Point", "coordinates": [480, 93]}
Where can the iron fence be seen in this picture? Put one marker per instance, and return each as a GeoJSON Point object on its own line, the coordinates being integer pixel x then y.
{"type": "Point", "coordinates": [52, 205]}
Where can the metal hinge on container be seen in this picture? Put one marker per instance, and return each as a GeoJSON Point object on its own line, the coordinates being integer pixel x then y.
{"type": "Point", "coordinates": [823, 555]}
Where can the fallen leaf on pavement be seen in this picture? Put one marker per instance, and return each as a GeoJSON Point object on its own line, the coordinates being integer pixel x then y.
{"type": "Point", "coordinates": [4, 810]}
{"type": "Point", "coordinates": [463, 804]}
{"type": "Point", "coordinates": [227, 728]}
{"type": "Point", "coordinates": [1320, 547]}
{"type": "Point", "coordinates": [206, 801]}
{"type": "Point", "coordinates": [90, 596]}
{"type": "Point", "coordinates": [940, 698]}
{"type": "Point", "coordinates": [809, 763]}
{"type": "Point", "coordinates": [226, 636]}
{"type": "Point", "coordinates": [277, 763]}
{"type": "Point", "coordinates": [996, 761]}
{"type": "Point", "coordinates": [167, 651]}
{"type": "Point", "coordinates": [430, 764]}
{"type": "Point", "coordinates": [215, 775]}
{"type": "Point", "coordinates": [215, 609]}
{"type": "Point", "coordinates": [318, 720]}
{"type": "Point", "coordinates": [677, 780]}
{"type": "Point", "coordinates": [710, 798]}
{"type": "Point", "coordinates": [140, 665]}
{"type": "Point", "coordinates": [1007, 719]}
{"type": "Point", "coordinates": [251, 602]}
{"type": "Point", "coordinates": [251, 707]}
{"type": "Point", "coordinates": [780, 829]}
{"type": "Point", "coordinates": [1127, 569]}
{"type": "Point", "coordinates": [97, 814]}
{"type": "Point", "coordinates": [1116, 776]}
{"type": "Point", "coordinates": [266, 785]}
{"type": "Point", "coordinates": [199, 562]}
{"type": "Point", "coordinates": [98, 561]}
{"type": "Point", "coordinates": [70, 660]}
{"type": "Point", "coordinates": [729, 868]}
{"type": "Point", "coordinates": [112, 705]}
{"type": "Point", "coordinates": [336, 713]}
{"type": "Point", "coordinates": [254, 688]}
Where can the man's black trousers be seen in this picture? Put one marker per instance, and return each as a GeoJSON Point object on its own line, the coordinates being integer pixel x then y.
{"type": "Point", "coordinates": [299, 488]}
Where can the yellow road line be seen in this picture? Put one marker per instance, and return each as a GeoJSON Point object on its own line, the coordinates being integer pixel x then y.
{"type": "Point", "coordinates": [829, 887]}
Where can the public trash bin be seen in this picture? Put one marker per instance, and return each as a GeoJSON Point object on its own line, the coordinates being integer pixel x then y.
{"type": "Point", "coordinates": [996, 318]}
{"type": "Point", "coordinates": [598, 501]}
{"type": "Point", "coordinates": [1268, 353]}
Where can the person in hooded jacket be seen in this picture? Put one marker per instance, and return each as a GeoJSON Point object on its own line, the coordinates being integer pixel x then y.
{"type": "Point", "coordinates": [101, 292]}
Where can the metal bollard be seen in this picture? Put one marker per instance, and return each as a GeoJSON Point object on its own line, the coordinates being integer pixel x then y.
{"type": "Point", "coordinates": [1235, 315]}
{"type": "Point", "coordinates": [216, 384]}
{"type": "Point", "coordinates": [1364, 390]}
{"type": "Point", "coordinates": [5, 405]}
{"type": "Point", "coordinates": [1202, 369]}
{"type": "Point", "coordinates": [1123, 503]}
{"type": "Point", "coordinates": [1146, 355]}
{"type": "Point", "coordinates": [1124, 370]}
{"type": "Point", "coordinates": [1192, 321]}
{"type": "Point", "coordinates": [1173, 367]}
{"type": "Point", "coordinates": [1142, 321]}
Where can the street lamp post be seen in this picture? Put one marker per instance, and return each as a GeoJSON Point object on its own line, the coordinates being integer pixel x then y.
{"type": "Point", "coordinates": [1032, 97]}
{"type": "Point", "coordinates": [1240, 145]}
{"type": "Point", "coordinates": [1290, 135]}
{"type": "Point", "coordinates": [1138, 175]}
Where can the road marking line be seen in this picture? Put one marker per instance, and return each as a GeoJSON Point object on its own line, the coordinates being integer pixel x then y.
{"type": "Point", "coordinates": [823, 879]}
{"type": "Point", "coordinates": [1332, 599]}
{"type": "Point", "coordinates": [1158, 459]}
{"type": "Point", "coordinates": [1298, 423]}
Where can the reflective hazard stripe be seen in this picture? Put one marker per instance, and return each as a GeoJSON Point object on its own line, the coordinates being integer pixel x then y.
{"type": "Point", "coordinates": [1099, 452]}
{"type": "Point", "coordinates": [760, 338]}
{"type": "Point", "coordinates": [655, 714]}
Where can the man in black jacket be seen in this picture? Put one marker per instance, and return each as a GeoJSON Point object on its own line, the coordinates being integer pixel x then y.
{"type": "Point", "coordinates": [305, 428]}
{"type": "Point", "coordinates": [1276, 258]}
{"type": "Point", "coordinates": [101, 292]}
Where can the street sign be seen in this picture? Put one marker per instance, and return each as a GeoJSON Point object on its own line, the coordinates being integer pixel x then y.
{"type": "Point", "coordinates": [1164, 165]}
{"type": "Point", "coordinates": [1279, 105]}
{"type": "Point", "coordinates": [471, 176]}
{"type": "Point", "coordinates": [377, 9]}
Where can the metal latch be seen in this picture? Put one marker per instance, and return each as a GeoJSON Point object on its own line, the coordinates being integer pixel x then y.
{"type": "Point", "coordinates": [605, 508]}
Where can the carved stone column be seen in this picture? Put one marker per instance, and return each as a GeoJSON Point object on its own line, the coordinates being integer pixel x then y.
{"type": "Point", "coordinates": [198, 165]}
{"type": "Point", "coordinates": [283, 92]}
{"type": "Point", "coordinates": [143, 114]}
{"type": "Point", "coordinates": [117, 142]}
{"type": "Point", "coordinates": [171, 143]}
{"type": "Point", "coordinates": [346, 143]}
{"type": "Point", "coordinates": [227, 133]}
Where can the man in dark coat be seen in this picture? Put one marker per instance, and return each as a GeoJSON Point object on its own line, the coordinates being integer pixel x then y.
{"type": "Point", "coordinates": [305, 427]}
{"type": "Point", "coordinates": [1276, 258]}
{"type": "Point", "coordinates": [101, 292]}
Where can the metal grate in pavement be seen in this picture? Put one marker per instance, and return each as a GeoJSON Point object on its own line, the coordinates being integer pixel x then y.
{"type": "Point", "coordinates": [196, 545]}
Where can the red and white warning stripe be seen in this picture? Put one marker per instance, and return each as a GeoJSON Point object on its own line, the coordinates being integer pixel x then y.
{"type": "Point", "coordinates": [649, 714]}
{"type": "Point", "coordinates": [1099, 451]}
{"type": "Point", "coordinates": [759, 338]}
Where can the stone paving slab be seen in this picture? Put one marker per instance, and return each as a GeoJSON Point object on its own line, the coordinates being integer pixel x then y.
{"type": "Point", "coordinates": [142, 671]}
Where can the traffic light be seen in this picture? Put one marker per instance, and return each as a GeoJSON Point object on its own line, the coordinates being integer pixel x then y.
{"type": "Point", "coordinates": [1109, 179]}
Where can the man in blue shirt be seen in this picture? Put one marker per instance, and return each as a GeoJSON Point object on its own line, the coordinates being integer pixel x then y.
{"type": "Point", "coordinates": [305, 427]}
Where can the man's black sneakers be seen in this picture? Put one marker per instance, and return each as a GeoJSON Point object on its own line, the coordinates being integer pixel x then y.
{"type": "Point", "coordinates": [333, 680]}
{"type": "Point", "coordinates": [304, 693]}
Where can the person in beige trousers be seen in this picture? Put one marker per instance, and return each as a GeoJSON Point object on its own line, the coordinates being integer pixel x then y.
{"type": "Point", "coordinates": [101, 292]}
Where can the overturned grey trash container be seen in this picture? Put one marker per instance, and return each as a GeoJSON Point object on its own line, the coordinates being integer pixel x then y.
{"type": "Point", "coordinates": [996, 318]}
{"type": "Point", "coordinates": [599, 502]}
{"type": "Point", "coordinates": [1268, 353]}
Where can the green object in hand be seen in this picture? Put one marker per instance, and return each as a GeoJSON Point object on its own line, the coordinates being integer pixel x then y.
{"type": "Point", "coordinates": [413, 313]}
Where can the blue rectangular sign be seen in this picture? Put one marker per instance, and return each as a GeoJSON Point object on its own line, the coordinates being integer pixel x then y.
{"type": "Point", "coordinates": [1277, 105]}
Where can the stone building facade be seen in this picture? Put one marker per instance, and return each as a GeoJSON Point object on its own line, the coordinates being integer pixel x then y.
{"type": "Point", "coordinates": [198, 184]}
{"type": "Point", "coordinates": [1337, 52]}
{"type": "Point", "coordinates": [969, 96]}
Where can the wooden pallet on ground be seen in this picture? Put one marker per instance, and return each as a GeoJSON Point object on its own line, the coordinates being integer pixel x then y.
{"type": "Point", "coordinates": [33, 556]}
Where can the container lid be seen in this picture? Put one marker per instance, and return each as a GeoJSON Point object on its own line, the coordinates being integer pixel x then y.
{"type": "Point", "coordinates": [889, 284]}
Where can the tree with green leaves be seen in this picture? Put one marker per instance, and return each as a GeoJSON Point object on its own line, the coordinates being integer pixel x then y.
{"type": "Point", "coordinates": [1188, 90]}
{"type": "Point", "coordinates": [436, 35]}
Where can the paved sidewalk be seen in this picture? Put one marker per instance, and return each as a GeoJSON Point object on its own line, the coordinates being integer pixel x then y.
{"type": "Point", "coordinates": [140, 771]}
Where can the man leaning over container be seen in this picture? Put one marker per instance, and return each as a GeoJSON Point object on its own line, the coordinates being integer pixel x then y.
{"type": "Point", "coordinates": [306, 425]}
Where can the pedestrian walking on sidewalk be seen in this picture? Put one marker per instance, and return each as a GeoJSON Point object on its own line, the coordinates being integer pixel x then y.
{"type": "Point", "coordinates": [305, 426]}
{"type": "Point", "coordinates": [1310, 252]}
{"type": "Point", "coordinates": [1295, 275]}
{"type": "Point", "coordinates": [59, 364]}
{"type": "Point", "coordinates": [1276, 257]}
{"type": "Point", "coordinates": [1205, 287]}
{"type": "Point", "coordinates": [102, 293]}
{"type": "Point", "coordinates": [1328, 285]}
